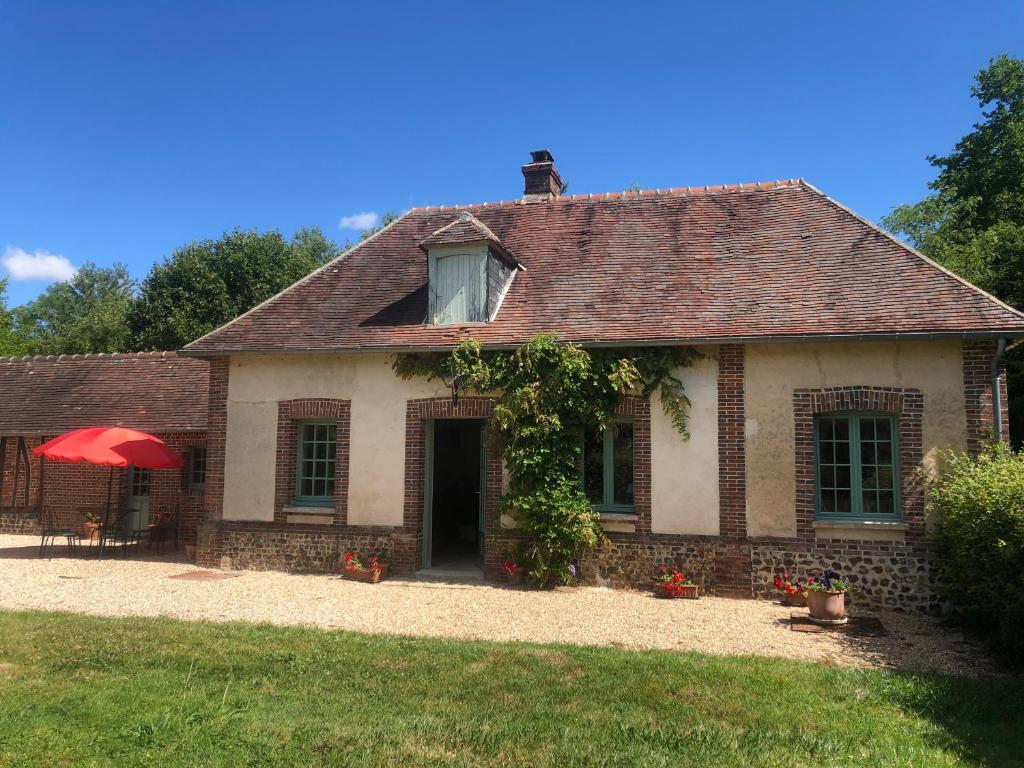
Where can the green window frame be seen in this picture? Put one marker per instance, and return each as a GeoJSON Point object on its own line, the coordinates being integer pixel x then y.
{"type": "Point", "coordinates": [315, 462]}
{"type": "Point", "coordinates": [139, 483]}
{"type": "Point", "coordinates": [856, 466]}
{"type": "Point", "coordinates": [608, 467]}
{"type": "Point", "coordinates": [197, 466]}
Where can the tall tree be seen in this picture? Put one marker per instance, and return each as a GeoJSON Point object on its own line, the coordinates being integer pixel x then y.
{"type": "Point", "coordinates": [86, 314]}
{"type": "Point", "coordinates": [973, 222]}
{"type": "Point", "coordinates": [209, 282]}
{"type": "Point", "coordinates": [11, 342]}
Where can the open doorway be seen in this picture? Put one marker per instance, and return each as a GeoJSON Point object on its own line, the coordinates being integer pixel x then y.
{"type": "Point", "coordinates": [455, 512]}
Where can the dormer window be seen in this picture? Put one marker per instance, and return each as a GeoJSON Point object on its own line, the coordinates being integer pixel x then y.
{"type": "Point", "coordinates": [468, 272]}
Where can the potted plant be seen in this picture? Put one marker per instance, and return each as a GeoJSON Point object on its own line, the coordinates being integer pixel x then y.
{"type": "Point", "coordinates": [792, 592]}
{"type": "Point", "coordinates": [370, 569]}
{"type": "Point", "coordinates": [826, 597]}
{"type": "Point", "coordinates": [513, 572]}
{"type": "Point", "coordinates": [91, 526]}
{"type": "Point", "coordinates": [671, 583]}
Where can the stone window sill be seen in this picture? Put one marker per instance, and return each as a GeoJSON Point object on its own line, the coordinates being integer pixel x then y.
{"type": "Point", "coordinates": [310, 515]}
{"type": "Point", "coordinates": [618, 522]}
{"type": "Point", "coordinates": [868, 530]}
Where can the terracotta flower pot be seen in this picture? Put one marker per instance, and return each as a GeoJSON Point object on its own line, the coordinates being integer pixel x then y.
{"type": "Point", "coordinates": [827, 606]}
{"type": "Point", "coordinates": [689, 592]}
{"type": "Point", "coordinates": [91, 531]}
{"type": "Point", "coordinates": [367, 575]}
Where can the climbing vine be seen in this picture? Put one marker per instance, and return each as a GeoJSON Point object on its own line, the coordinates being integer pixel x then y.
{"type": "Point", "coordinates": [548, 393]}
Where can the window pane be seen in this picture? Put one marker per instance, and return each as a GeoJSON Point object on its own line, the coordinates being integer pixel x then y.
{"type": "Point", "coordinates": [843, 502]}
{"type": "Point", "coordinates": [316, 468]}
{"type": "Point", "coordinates": [867, 452]}
{"type": "Point", "coordinates": [883, 429]}
{"type": "Point", "coordinates": [885, 477]}
{"type": "Point", "coordinates": [623, 464]}
{"type": "Point", "coordinates": [883, 453]}
{"type": "Point", "coordinates": [842, 429]}
{"type": "Point", "coordinates": [842, 453]}
{"type": "Point", "coordinates": [828, 453]}
{"type": "Point", "coordinates": [885, 504]}
{"type": "Point", "coordinates": [825, 429]}
{"type": "Point", "coordinates": [593, 466]}
{"type": "Point", "coordinates": [870, 502]}
{"type": "Point", "coordinates": [828, 501]}
{"type": "Point", "coordinates": [828, 477]}
{"type": "Point", "coordinates": [842, 477]}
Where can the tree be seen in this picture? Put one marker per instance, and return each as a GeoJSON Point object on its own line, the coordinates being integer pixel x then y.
{"type": "Point", "coordinates": [209, 282]}
{"type": "Point", "coordinates": [973, 222]}
{"type": "Point", "coordinates": [86, 314]}
{"type": "Point", "coordinates": [11, 342]}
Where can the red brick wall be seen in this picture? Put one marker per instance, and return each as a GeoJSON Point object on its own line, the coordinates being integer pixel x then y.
{"type": "Point", "coordinates": [732, 463]}
{"type": "Point", "coordinates": [978, 394]}
{"type": "Point", "coordinates": [216, 438]}
{"type": "Point", "coordinates": [67, 488]}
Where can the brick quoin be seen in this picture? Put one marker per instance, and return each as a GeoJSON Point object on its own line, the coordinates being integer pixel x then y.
{"type": "Point", "coordinates": [977, 365]}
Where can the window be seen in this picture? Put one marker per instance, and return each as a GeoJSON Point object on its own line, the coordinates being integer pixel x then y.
{"type": "Point", "coordinates": [197, 466]}
{"type": "Point", "coordinates": [314, 478]}
{"type": "Point", "coordinates": [608, 467]}
{"type": "Point", "coordinates": [857, 468]}
{"type": "Point", "coordinates": [139, 482]}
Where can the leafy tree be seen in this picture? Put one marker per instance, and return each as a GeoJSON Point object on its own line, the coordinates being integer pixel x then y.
{"type": "Point", "coordinates": [11, 342]}
{"type": "Point", "coordinates": [973, 222]}
{"type": "Point", "coordinates": [86, 314]}
{"type": "Point", "coordinates": [209, 282]}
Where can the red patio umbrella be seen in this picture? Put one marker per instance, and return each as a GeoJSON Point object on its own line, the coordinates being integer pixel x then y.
{"type": "Point", "coordinates": [110, 447]}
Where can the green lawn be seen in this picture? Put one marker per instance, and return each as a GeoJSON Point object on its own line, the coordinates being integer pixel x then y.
{"type": "Point", "coordinates": [88, 691]}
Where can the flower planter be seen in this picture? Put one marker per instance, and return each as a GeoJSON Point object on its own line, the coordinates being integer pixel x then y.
{"type": "Point", "coordinates": [366, 575]}
{"type": "Point", "coordinates": [827, 606]}
{"type": "Point", "coordinates": [91, 531]}
{"type": "Point", "coordinates": [686, 592]}
{"type": "Point", "coordinates": [795, 600]}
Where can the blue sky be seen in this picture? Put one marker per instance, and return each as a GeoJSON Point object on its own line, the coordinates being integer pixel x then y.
{"type": "Point", "coordinates": [128, 129]}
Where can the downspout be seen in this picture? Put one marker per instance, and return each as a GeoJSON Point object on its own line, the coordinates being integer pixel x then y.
{"type": "Point", "coordinates": [997, 394]}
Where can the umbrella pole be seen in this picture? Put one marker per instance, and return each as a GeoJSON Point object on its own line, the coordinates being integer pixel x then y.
{"type": "Point", "coordinates": [106, 516]}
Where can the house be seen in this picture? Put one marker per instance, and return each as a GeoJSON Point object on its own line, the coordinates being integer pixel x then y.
{"type": "Point", "coordinates": [837, 363]}
{"type": "Point", "coordinates": [43, 397]}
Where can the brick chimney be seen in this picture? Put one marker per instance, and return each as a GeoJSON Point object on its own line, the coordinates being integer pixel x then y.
{"type": "Point", "coordinates": [542, 179]}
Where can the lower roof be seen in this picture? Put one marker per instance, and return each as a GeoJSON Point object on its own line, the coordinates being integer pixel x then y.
{"type": "Point", "coordinates": [148, 391]}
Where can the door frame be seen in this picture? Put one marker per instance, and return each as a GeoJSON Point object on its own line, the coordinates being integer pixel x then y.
{"type": "Point", "coordinates": [428, 487]}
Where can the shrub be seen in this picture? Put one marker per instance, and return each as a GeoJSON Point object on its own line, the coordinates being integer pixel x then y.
{"type": "Point", "coordinates": [978, 504]}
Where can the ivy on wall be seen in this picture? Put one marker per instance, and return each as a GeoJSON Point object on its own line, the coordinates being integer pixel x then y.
{"type": "Point", "coordinates": [548, 393]}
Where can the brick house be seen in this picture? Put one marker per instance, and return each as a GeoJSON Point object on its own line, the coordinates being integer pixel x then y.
{"type": "Point", "coordinates": [837, 363]}
{"type": "Point", "coordinates": [43, 397]}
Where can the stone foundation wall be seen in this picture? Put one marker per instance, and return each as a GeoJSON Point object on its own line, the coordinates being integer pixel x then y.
{"type": "Point", "coordinates": [890, 575]}
{"type": "Point", "coordinates": [720, 566]}
{"type": "Point", "coordinates": [299, 548]}
{"type": "Point", "coordinates": [19, 521]}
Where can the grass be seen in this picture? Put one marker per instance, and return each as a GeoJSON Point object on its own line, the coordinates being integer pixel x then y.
{"type": "Point", "coordinates": [76, 690]}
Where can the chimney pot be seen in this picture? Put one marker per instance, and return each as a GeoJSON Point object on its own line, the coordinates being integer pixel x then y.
{"type": "Point", "coordinates": [542, 178]}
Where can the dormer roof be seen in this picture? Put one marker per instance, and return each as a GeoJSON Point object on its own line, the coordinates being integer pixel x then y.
{"type": "Point", "coordinates": [465, 229]}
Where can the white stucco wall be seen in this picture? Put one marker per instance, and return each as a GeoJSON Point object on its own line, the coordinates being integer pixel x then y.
{"type": "Point", "coordinates": [773, 371]}
{"type": "Point", "coordinates": [377, 439]}
{"type": "Point", "coordinates": [684, 474]}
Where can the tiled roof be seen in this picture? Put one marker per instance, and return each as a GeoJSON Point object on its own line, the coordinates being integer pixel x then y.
{"type": "Point", "coordinates": [754, 261]}
{"type": "Point", "coordinates": [150, 391]}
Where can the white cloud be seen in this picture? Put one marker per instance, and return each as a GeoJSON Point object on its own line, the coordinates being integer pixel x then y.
{"type": "Point", "coordinates": [39, 265]}
{"type": "Point", "coordinates": [364, 220]}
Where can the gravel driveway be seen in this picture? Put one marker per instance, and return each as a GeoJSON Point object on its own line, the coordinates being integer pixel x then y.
{"type": "Point", "coordinates": [139, 586]}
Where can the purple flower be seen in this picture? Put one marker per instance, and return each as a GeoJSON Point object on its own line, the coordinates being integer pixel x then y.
{"type": "Point", "coordinates": [572, 569]}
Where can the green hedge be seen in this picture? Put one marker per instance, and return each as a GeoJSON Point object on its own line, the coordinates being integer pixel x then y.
{"type": "Point", "coordinates": [978, 504]}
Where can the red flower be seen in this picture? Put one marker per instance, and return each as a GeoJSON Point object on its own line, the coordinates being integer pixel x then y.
{"type": "Point", "coordinates": [778, 583]}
